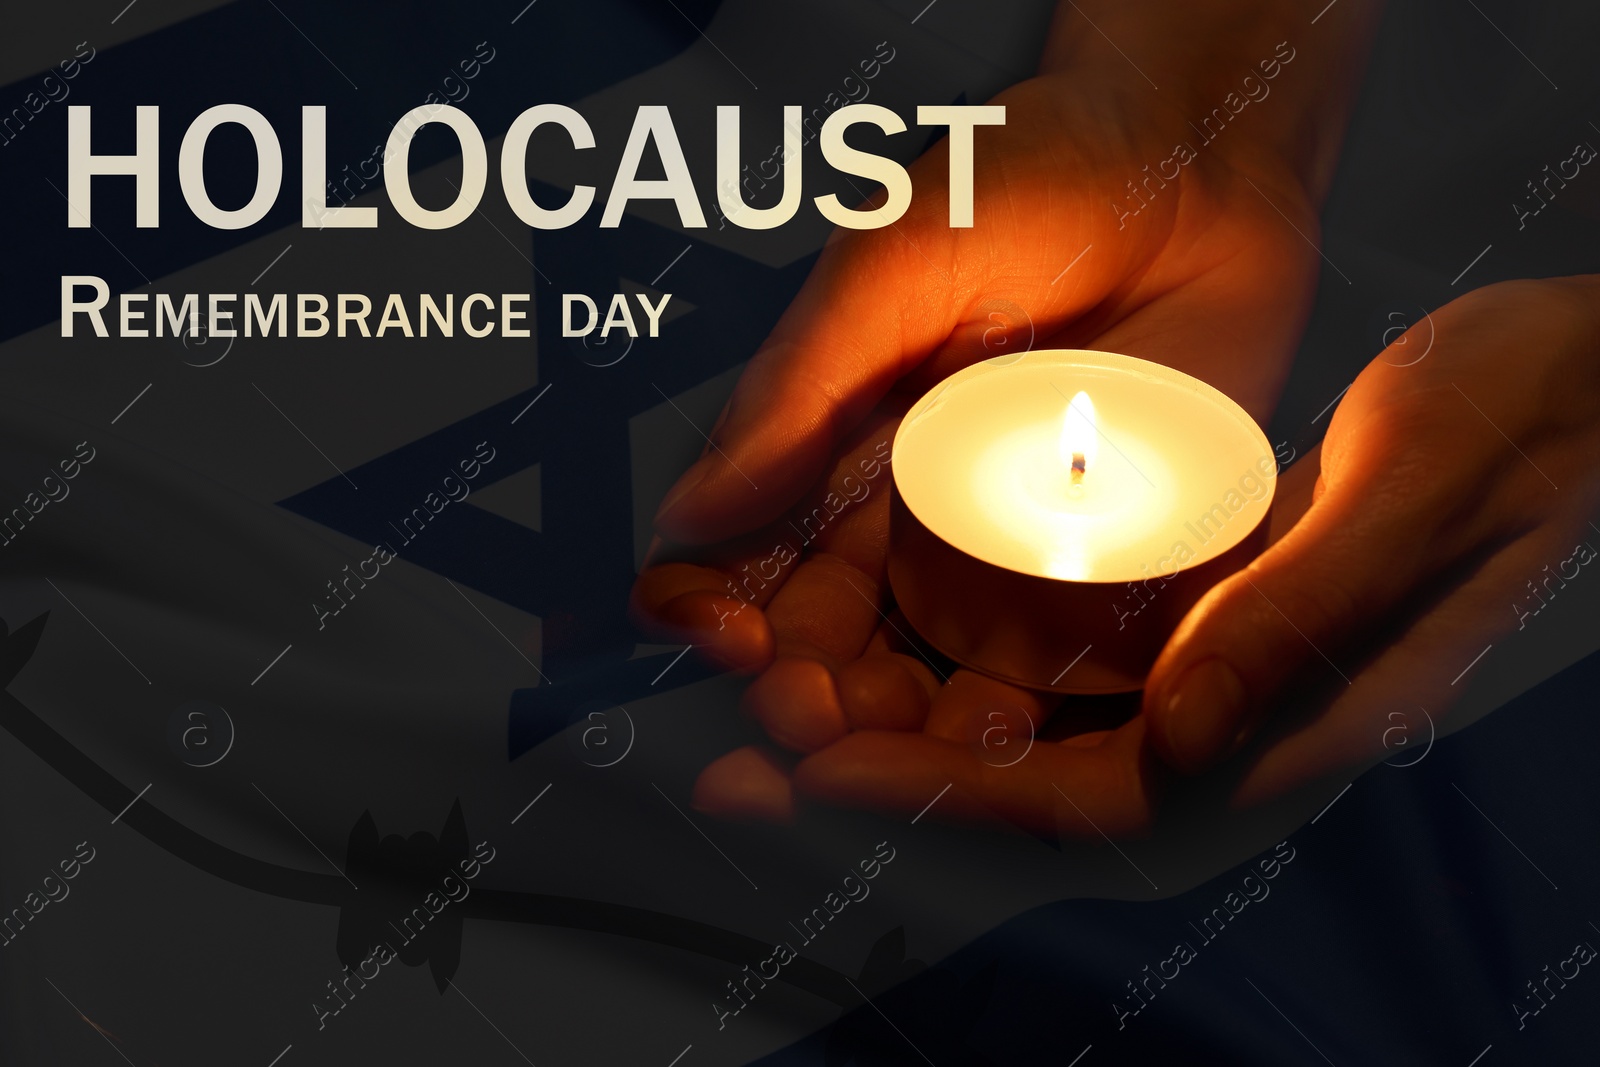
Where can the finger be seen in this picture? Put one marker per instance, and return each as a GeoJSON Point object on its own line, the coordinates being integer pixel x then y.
{"type": "Point", "coordinates": [974, 709]}
{"type": "Point", "coordinates": [827, 611]}
{"type": "Point", "coordinates": [886, 691]}
{"type": "Point", "coordinates": [1076, 791]}
{"type": "Point", "coordinates": [1402, 701]}
{"type": "Point", "coordinates": [1297, 489]}
{"type": "Point", "coordinates": [715, 606]}
{"type": "Point", "coordinates": [797, 703]}
{"type": "Point", "coordinates": [834, 354]}
{"type": "Point", "coordinates": [821, 621]}
{"type": "Point", "coordinates": [750, 783]}
{"type": "Point", "coordinates": [804, 706]}
{"type": "Point", "coordinates": [700, 595]}
{"type": "Point", "coordinates": [1389, 521]}
{"type": "Point", "coordinates": [1490, 473]}
{"type": "Point", "coordinates": [878, 303]}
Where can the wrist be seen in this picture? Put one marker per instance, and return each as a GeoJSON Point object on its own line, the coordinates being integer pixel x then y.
{"type": "Point", "coordinates": [1246, 78]}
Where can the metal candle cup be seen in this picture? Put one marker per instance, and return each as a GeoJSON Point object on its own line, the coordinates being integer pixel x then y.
{"type": "Point", "coordinates": [1054, 515]}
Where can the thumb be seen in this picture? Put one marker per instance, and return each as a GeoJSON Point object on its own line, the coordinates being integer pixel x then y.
{"type": "Point", "coordinates": [1387, 521]}
{"type": "Point", "coordinates": [878, 304]}
{"type": "Point", "coordinates": [836, 351]}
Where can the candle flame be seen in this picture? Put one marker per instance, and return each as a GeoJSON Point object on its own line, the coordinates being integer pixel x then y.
{"type": "Point", "coordinates": [1078, 435]}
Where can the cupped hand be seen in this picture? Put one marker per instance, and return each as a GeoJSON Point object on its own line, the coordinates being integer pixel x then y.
{"type": "Point", "coordinates": [1454, 499]}
{"type": "Point", "coordinates": [1076, 238]}
{"type": "Point", "coordinates": [771, 549]}
{"type": "Point", "coordinates": [1459, 478]}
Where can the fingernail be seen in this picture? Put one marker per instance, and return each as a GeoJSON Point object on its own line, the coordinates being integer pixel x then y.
{"type": "Point", "coordinates": [1204, 713]}
{"type": "Point", "coordinates": [687, 484]}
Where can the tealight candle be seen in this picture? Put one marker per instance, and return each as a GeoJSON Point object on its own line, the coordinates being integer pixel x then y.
{"type": "Point", "coordinates": [1055, 514]}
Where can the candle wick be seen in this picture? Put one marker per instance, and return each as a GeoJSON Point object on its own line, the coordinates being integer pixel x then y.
{"type": "Point", "coordinates": [1079, 465]}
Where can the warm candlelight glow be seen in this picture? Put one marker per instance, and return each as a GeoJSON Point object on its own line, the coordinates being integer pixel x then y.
{"type": "Point", "coordinates": [1022, 549]}
{"type": "Point", "coordinates": [987, 461]}
{"type": "Point", "coordinates": [1078, 436]}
